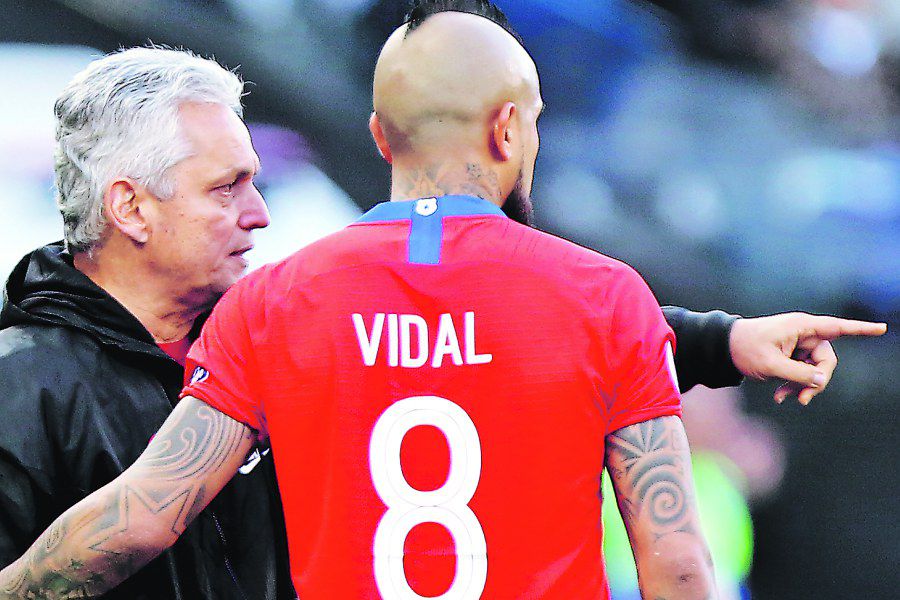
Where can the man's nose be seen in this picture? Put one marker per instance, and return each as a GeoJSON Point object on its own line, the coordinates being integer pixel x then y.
{"type": "Point", "coordinates": [255, 213]}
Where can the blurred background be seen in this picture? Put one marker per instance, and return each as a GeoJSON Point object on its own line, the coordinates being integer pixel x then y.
{"type": "Point", "coordinates": [741, 154]}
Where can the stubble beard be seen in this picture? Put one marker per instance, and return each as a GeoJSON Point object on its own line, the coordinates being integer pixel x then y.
{"type": "Point", "coordinates": [518, 206]}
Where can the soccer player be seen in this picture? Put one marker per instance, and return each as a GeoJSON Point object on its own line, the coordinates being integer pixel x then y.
{"type": "Point", "coordinates": [441, 384]}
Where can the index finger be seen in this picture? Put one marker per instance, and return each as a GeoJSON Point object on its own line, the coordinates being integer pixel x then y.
{"type": "Point", "coordinates": [829, 328]}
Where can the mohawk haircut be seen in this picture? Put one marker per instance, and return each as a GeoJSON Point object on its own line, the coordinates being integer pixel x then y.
{"type": "Point", "coordinates": [420, 10]}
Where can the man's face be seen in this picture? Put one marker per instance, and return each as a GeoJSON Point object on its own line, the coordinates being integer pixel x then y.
{"type": "Point", "coordinates": [200, 235]}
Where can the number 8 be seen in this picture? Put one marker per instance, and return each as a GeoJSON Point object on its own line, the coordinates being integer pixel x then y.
{"type": "Point", "coordinates": [447, 505]}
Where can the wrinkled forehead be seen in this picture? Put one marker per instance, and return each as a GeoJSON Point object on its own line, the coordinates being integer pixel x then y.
{"type": "Point", "coordinates": [215, 136]}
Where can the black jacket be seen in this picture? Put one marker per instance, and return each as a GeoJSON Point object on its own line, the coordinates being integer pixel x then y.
{"type": "Point", "coordinates": [702, 352]}
{"type": "Point", "coordinates": [84, 388]}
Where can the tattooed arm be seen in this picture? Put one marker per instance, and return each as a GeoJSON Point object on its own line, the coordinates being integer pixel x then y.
{"type": "Point", "coordinates": [650, 467]}
{"type": "Point", "coordinates": [116, 530]}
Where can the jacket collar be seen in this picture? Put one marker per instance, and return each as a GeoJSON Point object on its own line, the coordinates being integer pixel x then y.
{"type": "Point", "coordinates": [46, 288]}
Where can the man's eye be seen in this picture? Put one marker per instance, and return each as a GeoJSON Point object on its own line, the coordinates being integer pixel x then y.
{"type": "Point", "coordinates": [227, 188]}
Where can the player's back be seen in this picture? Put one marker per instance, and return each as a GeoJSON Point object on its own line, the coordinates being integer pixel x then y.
{"type": "Point", "coordinates": [437, 383]}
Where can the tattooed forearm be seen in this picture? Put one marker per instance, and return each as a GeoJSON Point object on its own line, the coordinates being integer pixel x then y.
{"type": "Point", "coordinates": [116, 530]}
{"type": "Point", "coordinates": [41, 573]}
{"type": "Point", "coordinates": [649, 464]}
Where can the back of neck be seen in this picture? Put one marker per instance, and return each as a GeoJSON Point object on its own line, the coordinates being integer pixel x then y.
{"type": "Point", "coordinates": [432, 179]}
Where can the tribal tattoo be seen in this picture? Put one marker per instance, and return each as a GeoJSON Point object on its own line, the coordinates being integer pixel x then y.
{"type": "Point", "coordinates": [650, 467]}
{"type": "Point", "coordinates": [118, 529]}
{"type": "Point", "coordinates": [649, 464]}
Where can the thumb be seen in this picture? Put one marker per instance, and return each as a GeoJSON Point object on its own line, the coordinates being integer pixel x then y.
{"type": "Point", "coordinates": [783, 367]}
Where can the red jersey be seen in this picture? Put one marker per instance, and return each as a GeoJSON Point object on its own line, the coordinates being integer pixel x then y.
{"type": "Point", "coordinates": [436, 381]}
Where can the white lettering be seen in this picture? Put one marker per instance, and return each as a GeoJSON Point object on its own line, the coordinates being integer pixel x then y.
{"type": "Point", "coordinates": [407, 322]}
{"type": "Point", "coordinates": [446, 343]}
{"type": "Point", "coordinates": [393, 341]}
{"type": "Point", "coordinates": [368, 345]}
{"type": "Point", "coordinates": [405, 331]}
{"type": "Point", "coordinates": [471, 357]}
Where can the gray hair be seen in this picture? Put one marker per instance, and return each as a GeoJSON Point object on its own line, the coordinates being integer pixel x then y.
{"type": "Point", "coordinates": [119, 118]}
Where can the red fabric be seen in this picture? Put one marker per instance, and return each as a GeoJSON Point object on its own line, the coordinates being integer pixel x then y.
{"type": "Point", "coordinates": [177, 350]}
{"type": "Point", "coordinates": [577, 343]}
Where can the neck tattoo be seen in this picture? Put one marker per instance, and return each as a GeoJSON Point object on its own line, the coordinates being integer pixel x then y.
{"type": "Point", "coordinates": [470, 179]}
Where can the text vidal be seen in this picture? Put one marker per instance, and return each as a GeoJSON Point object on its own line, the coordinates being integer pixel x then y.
{"type": "Point", "coordinates": [403, 329]}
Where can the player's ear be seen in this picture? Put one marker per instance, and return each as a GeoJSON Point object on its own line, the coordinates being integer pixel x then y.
{"type": "Point", "coordinates": [502, 132]}
{"type": "Point", "coordinates": [125, 209]}
{"type": "Point", "coordinates": [380, 141]}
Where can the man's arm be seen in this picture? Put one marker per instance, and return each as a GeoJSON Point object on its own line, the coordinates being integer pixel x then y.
{"type": "Point", "coordinates": [650, 468]}
{"type": "Point", "coordinates": [716, 349]}
{"type": "Point", "coordinates": [113, 532]}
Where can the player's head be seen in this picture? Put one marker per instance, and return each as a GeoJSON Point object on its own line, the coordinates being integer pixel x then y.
{"type": "Point", "coordinates": [454, 85]}
{"type": "Point", "coordinates": [142, 137]}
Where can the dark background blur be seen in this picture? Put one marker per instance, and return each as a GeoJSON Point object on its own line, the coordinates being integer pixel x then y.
{"type": "Point", "coordinates": [742, 154]}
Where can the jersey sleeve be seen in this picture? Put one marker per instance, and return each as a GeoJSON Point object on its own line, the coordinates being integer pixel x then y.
{"type": "Point", "coordinates": [221, 367]}
{"type": "Point", "coordinates": [640, 355]}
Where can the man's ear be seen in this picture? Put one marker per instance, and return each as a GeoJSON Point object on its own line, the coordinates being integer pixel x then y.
{"type": "Point", "coordinates": [503, 132]}
{"type": "Point", "coordinates": [380, 141]}
{"type": "Point", "coordinates": [124, 210]}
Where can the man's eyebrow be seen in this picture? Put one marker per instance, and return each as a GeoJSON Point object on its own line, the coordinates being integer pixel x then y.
{"type": "Point", "coordinates": [236, 173]}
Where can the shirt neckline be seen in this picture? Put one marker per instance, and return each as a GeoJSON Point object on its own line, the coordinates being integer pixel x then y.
{"type": "Point", "coordinates": [442, 206]}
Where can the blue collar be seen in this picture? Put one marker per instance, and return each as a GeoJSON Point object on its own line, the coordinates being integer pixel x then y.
{"type": "Point", "coordinates": [445, 206]}
{"type": "Point", "coordinates": [426, 221]}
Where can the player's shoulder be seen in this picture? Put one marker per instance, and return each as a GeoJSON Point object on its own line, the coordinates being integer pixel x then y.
{"type": "Point", "coordinates": [551, 253]}
{"type": "Point", "coordinates": [332, 251]}
{"type": "Point", "coordinates": [347, 246]}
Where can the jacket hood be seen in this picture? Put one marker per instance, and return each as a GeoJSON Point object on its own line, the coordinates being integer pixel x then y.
{"type": "Point", "coordinates": [45, 288]}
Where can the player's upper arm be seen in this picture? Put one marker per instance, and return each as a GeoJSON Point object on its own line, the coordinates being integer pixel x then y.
{"type": "Point", "coordinates": [221, 366]}
{"type": "Point", "coordinates": [650, 468]}
{"type": "Point", "coordinates": [639, 374]}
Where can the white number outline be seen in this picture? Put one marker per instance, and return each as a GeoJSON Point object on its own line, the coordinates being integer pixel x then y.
{"type": "Point", "coordinates": [448, 505]}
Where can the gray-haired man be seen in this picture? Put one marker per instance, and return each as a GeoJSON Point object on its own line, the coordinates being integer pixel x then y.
{"type": "Point", "coordinates": [154, 175]}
